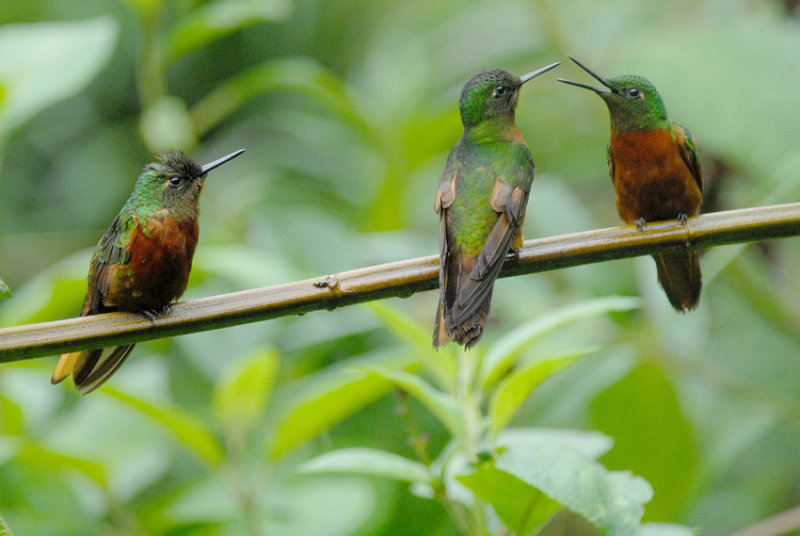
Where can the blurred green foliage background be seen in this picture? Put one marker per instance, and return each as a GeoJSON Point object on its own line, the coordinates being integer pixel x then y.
{"type": "Point", "coordinates": [348, 109]}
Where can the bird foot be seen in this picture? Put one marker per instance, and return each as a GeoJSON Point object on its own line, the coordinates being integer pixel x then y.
{"type": "Point", "coordinates": [512, 257]}
{"type": "Point", "coordinates": [682, 218]}
{"type": "Point", "coordinates": [152, 313]}
{"type": "Point", "coordinates": [640, 223]}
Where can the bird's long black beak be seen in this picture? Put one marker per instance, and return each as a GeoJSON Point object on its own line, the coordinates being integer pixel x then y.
{"type": "Point", "coordinates": [525, 77]}
{"type": "Point", "coordinates": [219, 161]}
{"type": "Point", "coordinates": [586, 86]}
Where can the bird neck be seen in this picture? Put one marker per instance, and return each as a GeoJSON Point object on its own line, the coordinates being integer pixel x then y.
{"type": "Point", "coordinates": [502, 128]}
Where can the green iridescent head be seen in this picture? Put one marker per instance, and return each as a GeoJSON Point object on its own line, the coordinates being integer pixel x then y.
{"type": "Point", "coordinates": [633, 102]}
{"type": "Point", "coordinates": [492, 93]}
{"type": "Point", "coordinates": [174, 182]}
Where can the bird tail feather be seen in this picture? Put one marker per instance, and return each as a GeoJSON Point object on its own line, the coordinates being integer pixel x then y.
{"type": "Point", "coordinates": [679, 275]}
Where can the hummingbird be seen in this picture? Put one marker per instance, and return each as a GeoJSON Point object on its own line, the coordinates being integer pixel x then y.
{"type": "Point", "coordinates": [653, 165]}
{"type": "Point", "coordinates": [481, 203]}
{"type": "Point", "coordinates": [142, 262]}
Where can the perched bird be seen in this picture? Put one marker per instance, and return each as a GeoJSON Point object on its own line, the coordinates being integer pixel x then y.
{"type": "Point", "coordinates": [481, 203]}
{"type": "Point", "coordinates": [142, 262]}
{"type": "Point", "coordinates": [656, 175]}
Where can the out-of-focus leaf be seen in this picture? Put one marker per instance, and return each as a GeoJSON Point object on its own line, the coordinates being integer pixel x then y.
{"type": "Point", "coordinates": [44, 299]}
{"type": "Point", "coordinates": [589, 444]}
{"type": "Point", "coordinates": [165, 124]}
{"type": "Point", "coordinates": [43, 457]}
{"type": "Point", "coordinates": [184, 427]}
{"type": "Point", "coordinates": [368, 462]}
{"type": "Point", "coordinates": [341, 506]}
{"type": "Point", "coordinates": [11, 421]}
{"type": "Point", "coordinates": [442, 362]}
{"type": "Point", "coordinates": [5, 291]}
{"type": "Point", "coordinates": [443, 406]}
{"type": "Point", "coordinates": [43, 63]}
{"type": "Point", "coordinates": [146, 8]}
{"type": "Point", "coordinates": [327, 398]}
{"type": "Point", "coordinates": [643, 409]}
{"type": "Point", "coordinates": [4, 530]}
{"type": "Point", "coordinates": [500, 357]}
{"type": "Point", "coordinates": [516, 387]}
{"type": "Point", "coordinates": [568, 523]}
{"type": "Point", "coordinates": [245, 266]}
{"type": "Point", "coordinates": [216, 19]}
{"type": "Point", "coordinates": [612, 501]}
{"type": "Point", "coordinates": [242, 393]}
{"type": "Point", "coordinates": [299, 75]}
{"type": "Point", "coordinates": [522, 507]}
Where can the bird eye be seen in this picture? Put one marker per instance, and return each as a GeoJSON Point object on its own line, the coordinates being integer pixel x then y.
{"type": "Point", "coordinates": [499, 91]}
{"type": "Point", "coordinates": [175, 181]}
{"type": "Point", "coordinates": [633, 92]}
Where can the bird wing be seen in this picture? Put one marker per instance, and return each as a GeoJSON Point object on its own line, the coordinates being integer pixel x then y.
{"type": "Point", "coordinates": [688, 149]}
{"type": "Point", "coordinates": [448, 270]}
{"type": "Point", "coordinates": [110, 251]}
{"type": "Point", "coordinates": [509, 200]}
{"type": "Point", "coordinates": [610, 160]}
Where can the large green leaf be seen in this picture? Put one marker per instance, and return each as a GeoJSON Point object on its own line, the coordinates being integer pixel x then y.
{"type": "Point", "coordinates": [241, 394]}
{"type": "Point", "coordinates": [588, 444]}
{"type": "Point", "coordinates": [652, 436]}
{"type": "Point", "coordinates": [516, 387]}
{"type": "Point", "coordinates": [43, 63]}
{"type": "Point", "coordinates": [329, 397]}
{"type": "Point", "coordinates": [611, 501]}
{"type": "Point", "coordinates": [367, 461]}
{"type": "Point", "coordinates": [522, 507]}
{"type": "Point", "coordinates": [501, 356]}
{"type": "Point", "coordinates": [184, 427]}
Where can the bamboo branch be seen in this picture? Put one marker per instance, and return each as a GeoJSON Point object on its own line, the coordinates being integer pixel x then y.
{"type": "Point", "coordinates": [401, 279]}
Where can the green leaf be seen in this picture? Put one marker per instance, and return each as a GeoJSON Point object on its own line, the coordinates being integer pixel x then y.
{"type": "Point", "coordinates": [520, 506]}
{"type": "Point", "coordinates": [671, 460]}
{"type": "Point", "coordinates": [611, 501]}
{"type": "Point", "coordinates": [4, 530]}
{"type": "Point", "coordinates": [588, 444]}
{"type": "Point", "coordinates": [5, 291]}
{"type": "Point", "coordinates": [368, 462]}
{"type": "Point", "coordinates": [242, 392]}
{"type": "Point", "coordinates": [11, 418]}
{"type": "Point", "coordinates": [184, 427]}
{"type": "Point", "coordinates": [166, 124]}
{"type": "Point", "coordinates": [567, 523]}
{"type": "Point", "coordinates": [216, 19]}
{"type": "Point", "coordinates": [516, 387]}
{"type": "Point", "coordinates": [43, 63]}
{"type": "Point", "coordinates": [329, 397]}
{"type": "Point", "coordinates": [297, 75]}
{"type": "Point", "coordinates": [56, 461]}
{"type": "Point", "coordinates": [501, 356]}
{"type": "Point", "coordinates": [441, 362]}
{"type": "Point", "coordinates": [443, 406]}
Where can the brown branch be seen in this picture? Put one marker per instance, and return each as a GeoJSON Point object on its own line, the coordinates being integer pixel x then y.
{"type": "Point", "coordinates": [401, 279]}
{"type": "Point", "coordinates": [781, 523]}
